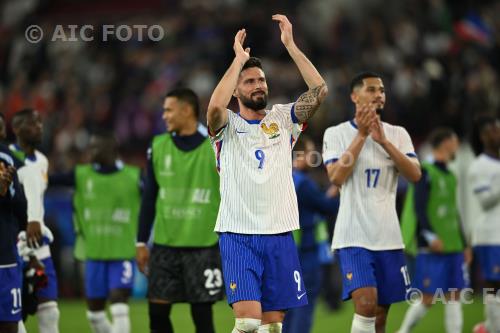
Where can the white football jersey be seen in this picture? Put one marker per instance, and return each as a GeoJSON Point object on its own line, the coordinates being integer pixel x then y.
{"type": "Point", "coordinates": [254, 159]}
{"type": "Point", "coordinates": [34, 178]}
{"type": "Point", "coordinates": [367, 215]}
{"type": "Point", "coordinates": [484, 179]}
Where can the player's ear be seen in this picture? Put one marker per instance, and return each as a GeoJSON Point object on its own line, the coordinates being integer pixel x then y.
{"type": "Point", "coordinates": [235, 93]}
{"type": "Point", "coordinates": [354, 97]}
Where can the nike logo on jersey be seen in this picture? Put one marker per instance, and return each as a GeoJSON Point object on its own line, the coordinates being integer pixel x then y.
{"type": "Point", "coordinates": [213, 292]}
{"type": "Point", "coordinates": [241, 132]}
{"type": "Point", "coordinates": [301, 295]}
{"type": "Point", "coordinates": [15, 311]}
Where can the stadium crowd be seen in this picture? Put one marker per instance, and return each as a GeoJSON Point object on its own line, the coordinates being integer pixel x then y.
{"type": "Point", "coordinates": [440, 58]}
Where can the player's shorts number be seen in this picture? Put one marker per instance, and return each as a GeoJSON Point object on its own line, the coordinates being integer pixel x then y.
{"type": "Point", "coordinates": [127, 271]}
{"type": "Point", "coordinates": [214, 278]}
{"type": "Point", "coordinates": [260, 156]}
{"type": "Point", "coordinates": [296, 277]}
{"type": "Point", "coordinates": [16, 298]}
{"type": "Point", "coordinates": [372, 177]}
{"type": "Point", "coordinates": [406, 275]}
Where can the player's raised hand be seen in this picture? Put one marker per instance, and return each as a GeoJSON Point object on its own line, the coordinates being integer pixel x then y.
{"type": "Point", "coordinates": [240, 53]}
{"type": "Point", "coordinates": [142, 258]}
{"type": "Point", "coordinates": [365, 116]}
{"type": "Point", "coordinates": [286, 29]}
{"type": "Point", "coordinates": [377, 131]}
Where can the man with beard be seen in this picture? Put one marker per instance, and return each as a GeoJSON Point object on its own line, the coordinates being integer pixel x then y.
{"type": "Point", "coordinates": [364, 157]}
{"type": "Point", "coordinates": [258, 208]}
{"type": "Point", "coordinates": [430, 216]}
{"type": "Point", "coordinates": [27, 126]}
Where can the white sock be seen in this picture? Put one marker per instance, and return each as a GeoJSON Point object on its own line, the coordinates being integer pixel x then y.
{"type": "Point", "coordinates": [246, 325]}
{"type": "Point", "coordinates": [99, 322]}
{"type": "Point", "coordinates": [362, 324]}
{"type": "Point", "coordinates": [121, 319]}
{"type": "Point", "coordinates": [493, 313]}
{"type": "Point", "coordinates": [413, 315]}
{"type": "Point", "coordinates": [453, 318]}
{"type": "Point", "coordinates": [48, 317]}
{"type": "Point", "coordinates": [270, 328]}
{"type": "Point", "coordinates": [20, 327]}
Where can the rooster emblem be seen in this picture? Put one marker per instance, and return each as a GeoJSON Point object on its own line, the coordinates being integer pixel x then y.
{"type": "Point", "coordinates": [273, 130]}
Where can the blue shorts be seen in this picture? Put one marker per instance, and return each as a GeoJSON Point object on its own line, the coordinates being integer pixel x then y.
{"type": "Point", "coordinates": [102, 276]}
{"type": "Point", "coordinates": [384, 270]}
{"type": "Point", "coordinates": [10, 294]}
{"type": "Point", "coordinates": [489, 261]}
{"type": "Point", "coordinates": [263, 268]}
{"type": "Point", "coordinates": [50, 291]}
{"type": "Point", "coordinates": [440, 271]}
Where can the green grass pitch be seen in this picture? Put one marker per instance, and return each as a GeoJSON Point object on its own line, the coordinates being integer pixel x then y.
{"type": "Point", "coordinates": [73, 318]}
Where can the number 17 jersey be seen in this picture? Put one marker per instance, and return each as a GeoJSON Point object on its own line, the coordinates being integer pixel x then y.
{"type": "Point", "coordinates": [254, 160]}
{"type": "Point", "coordinates": [367, 214]}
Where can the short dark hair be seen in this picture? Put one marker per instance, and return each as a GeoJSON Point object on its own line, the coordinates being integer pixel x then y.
{"type": "Point", "coordinates": [439, 135]}
{"type": "Point", "coordinates": [186, 95]}
{"type": "Point", "coordinates": [357, 80]}
{"type": "Point", "coordinates": [252, 62]}
{"type": "Point", "coordinates": [20, 116]}
{"type": "Point", "coordinates": [481, 121]}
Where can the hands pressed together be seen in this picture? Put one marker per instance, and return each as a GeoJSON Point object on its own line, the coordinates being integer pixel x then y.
{"type": "Point", "coordinates": [369, 123]}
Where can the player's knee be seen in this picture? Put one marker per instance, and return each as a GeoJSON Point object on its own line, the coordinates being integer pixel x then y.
{"type": "Point", "coordinates": [273, 317]}
{"type": "Point", "coordinates": [366, 308]}
{"type": "Point", "coordinates": [246, 325]}
{"type": "Point", "coordinates": [48, 312]}
{"type": "Point", "coordinates": [119, 295]}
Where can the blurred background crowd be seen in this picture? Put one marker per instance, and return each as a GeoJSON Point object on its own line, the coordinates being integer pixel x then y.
{"type": "Point", "coordinates": [440, 60]}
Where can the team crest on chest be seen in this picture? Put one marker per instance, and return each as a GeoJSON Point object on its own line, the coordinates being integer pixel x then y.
{"type": "Point", "coordinates": [273, 130]}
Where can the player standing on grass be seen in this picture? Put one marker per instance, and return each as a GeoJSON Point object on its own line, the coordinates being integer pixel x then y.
{"type": "Point", "coordinates": [484, 178]}
{"type": "Point", "coordinates": [181, 197]}
{"type": "Point", "coordinates": [258, 202]}
{"type": "Point", "coordinates": [27, 126]}
{"type": "Point", "coordinates": [12, 216]}
{"type": "Point", "coordinates": [364, 157]}
{"type": "Point", "coordinates": [106, 208]}
{"type": "Point", "coordinates": [430, 216]}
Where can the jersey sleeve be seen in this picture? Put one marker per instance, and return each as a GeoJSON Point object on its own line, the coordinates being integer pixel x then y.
{"type": "Point", "coordinates": [404, 143]}
{"type": "Point", "coordinates": [486, 187]}
{"type": "Point", "coordinates": [32, 182]}
{"type": "Point", "coordinates": [332, 145]}
{"type": "Point", "coordinates": [219, 134]}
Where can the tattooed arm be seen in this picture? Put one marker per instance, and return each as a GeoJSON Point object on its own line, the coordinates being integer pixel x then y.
{"type": "Point", "coordinates": [308, 102]}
